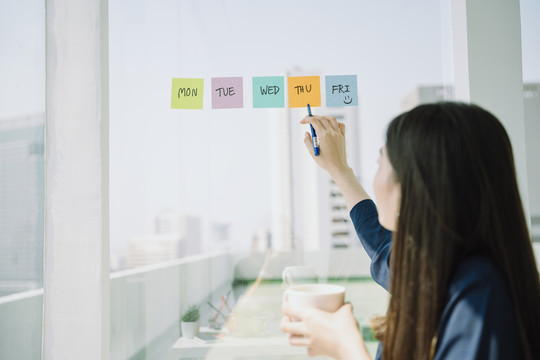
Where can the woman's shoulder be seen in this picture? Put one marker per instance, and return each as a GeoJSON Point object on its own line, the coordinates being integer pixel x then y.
{"type": "Point", "coordinates": [364, 207]}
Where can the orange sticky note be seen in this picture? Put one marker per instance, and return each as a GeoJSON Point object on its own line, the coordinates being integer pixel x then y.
{"type": "Point", "coordinates": [304, 90]}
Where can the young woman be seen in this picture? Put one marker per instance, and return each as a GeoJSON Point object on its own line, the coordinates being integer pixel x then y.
{"type": "Point", "coordinates": [448, 240]}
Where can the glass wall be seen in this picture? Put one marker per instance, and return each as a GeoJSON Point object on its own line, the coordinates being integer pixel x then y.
{"type": "Point", "coordinates": [210, 174]}
{"type": "Point", "coordinates": [209, 205]}
{"type": "Point", "coordinates": [22, 120]}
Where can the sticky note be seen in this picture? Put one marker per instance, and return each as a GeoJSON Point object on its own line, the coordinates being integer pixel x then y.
{"type": "Point", "coordinates": [268, 92]}
{"type": "Point", "coordinates": [304, 90]}
{"type": "Point", "coordinates": [227, 93]}
{"type": "Point", "coordinates": [187, 93]}
{"type": "Point", "coordinates": [341, 90]}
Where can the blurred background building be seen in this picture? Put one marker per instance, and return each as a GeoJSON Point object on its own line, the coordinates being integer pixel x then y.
{"type": "Point", "coordinates": [21, 203]}
{"type": "Point", "coordinates": [176, 235]}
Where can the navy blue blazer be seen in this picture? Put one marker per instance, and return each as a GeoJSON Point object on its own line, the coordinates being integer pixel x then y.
{"type": "Point", "coordinates": [478, 320]}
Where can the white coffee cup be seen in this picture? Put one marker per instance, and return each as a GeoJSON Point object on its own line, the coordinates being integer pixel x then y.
{"type": "Point", "coordinates": [326, 297]}
{"type": "Point", "coordinates": [295, 275]}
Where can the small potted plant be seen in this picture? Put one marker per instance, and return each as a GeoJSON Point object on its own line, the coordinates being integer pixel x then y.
{"type": "Point", "coordinates": [190, 322]}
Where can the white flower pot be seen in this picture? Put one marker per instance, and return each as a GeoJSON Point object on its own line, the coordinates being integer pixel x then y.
{"type": "Point", "coordinates": [190, 329]}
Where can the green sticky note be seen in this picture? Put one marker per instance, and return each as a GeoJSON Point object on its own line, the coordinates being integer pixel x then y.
{"type": "Point", "coordinates": [187, 93]}
{"type": "Point", "coordinates": [268, 92]}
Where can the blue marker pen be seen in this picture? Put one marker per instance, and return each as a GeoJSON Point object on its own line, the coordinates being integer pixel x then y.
{"type": "Point", "coordinates": [313, 134]}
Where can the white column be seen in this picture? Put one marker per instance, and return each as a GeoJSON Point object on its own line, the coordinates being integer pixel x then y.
{"type": "Point", "coordinates": [488, 69]}
{"type": "Point", "coordinates": [76, 275]}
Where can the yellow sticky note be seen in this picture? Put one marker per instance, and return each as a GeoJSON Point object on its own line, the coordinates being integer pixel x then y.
{"type": "Point", "coordinates": [187, 93]}
{"type": "Point", "coordinates": [304, 90]}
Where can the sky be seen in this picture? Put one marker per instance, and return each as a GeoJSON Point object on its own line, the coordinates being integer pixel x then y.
{"type": "Point", "coordinates": [214, 163]}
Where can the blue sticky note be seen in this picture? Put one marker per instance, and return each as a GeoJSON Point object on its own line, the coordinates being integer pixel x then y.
{"type": "Point", "coordinates": [269, 92]}
{"type": "Point", "coordinates": [341, 90]}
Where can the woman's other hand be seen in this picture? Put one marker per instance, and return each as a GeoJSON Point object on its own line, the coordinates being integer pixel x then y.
{"type": "Point", "coordinates": [331, 135]}
{"type": "Point", "coordinates": [323, 333]}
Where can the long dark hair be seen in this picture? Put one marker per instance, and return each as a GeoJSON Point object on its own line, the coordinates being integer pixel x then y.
{"type": "Point", "coordinates": [459, 197]}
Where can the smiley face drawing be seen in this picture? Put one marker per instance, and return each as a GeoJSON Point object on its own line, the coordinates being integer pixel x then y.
{"type": "Point", "coordinates": [348, 99]}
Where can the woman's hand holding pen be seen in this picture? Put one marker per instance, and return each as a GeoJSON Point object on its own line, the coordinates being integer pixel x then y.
{"type": "Point", "coordinates": [333, 156]}
{"type": "Point", "coordinates": [331, 134]}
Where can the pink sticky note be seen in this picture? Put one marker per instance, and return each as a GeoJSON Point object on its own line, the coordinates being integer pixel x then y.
{"type": "Point", "coordinates": [227, 93]}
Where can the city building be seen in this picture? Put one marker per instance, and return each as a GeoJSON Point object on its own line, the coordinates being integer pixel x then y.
{"type": "Point", "coordinates": [153, 249]}
{"type": "Point", "coordinates": [220, 237]}
{"type": "Point", "coordinates": [261, 241]}
{"type": "Point", "coordinates": [21, 203]}
{"type": "Point", "coordinates": [176, 235]}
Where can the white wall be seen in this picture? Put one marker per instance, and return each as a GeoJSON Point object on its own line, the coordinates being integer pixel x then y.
{"type": "Point", "coordinates": [532, 127]}
{"type": "Point", "coordinates": [488, 69]}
